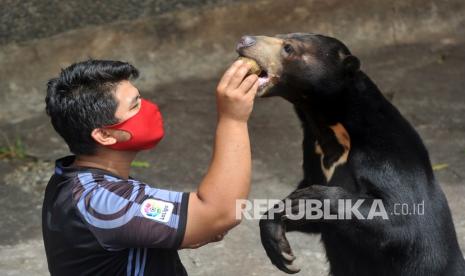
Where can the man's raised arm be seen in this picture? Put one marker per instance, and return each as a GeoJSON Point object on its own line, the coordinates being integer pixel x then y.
{"type": "Point", "coordinates": [212, 208]}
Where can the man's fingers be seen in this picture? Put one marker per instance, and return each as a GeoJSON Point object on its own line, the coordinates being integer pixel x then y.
{"type": "Point", "coordinates": [229, 73]}
{"type": "Point", "coordinates": [248, 83]}
{"type": "Point", "coordinates": [252, 92]}
{"type": "Point", "coordinates": [238, 76]}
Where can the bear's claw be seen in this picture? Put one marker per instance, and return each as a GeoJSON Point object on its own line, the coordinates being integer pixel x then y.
{"type": "Point", "coordinates": [288, 257]}
{"type": "Point", "coordinates": [277, 246]}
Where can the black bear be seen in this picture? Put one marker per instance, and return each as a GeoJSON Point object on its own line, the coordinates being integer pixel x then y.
{"type": "Point", "coordinates": [356, 147]}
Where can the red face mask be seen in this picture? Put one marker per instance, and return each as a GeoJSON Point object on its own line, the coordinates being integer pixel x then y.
{"type": "Point", "coordinates": [145, 128]}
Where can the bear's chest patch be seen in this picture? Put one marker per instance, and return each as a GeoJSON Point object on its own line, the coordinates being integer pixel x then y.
{"type": "Point", "coordinates": [333, 156]}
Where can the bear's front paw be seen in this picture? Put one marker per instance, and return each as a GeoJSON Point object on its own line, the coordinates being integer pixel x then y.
{"type": "Point", "coordinates": [273, 236]}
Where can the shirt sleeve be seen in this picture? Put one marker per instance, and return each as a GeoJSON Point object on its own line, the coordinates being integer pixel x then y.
{"type": "Point", "coordinates": [129, 213]}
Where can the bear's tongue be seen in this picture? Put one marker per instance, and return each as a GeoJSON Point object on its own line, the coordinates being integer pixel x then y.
{"type": "Point", "coordinates": [263, 79]}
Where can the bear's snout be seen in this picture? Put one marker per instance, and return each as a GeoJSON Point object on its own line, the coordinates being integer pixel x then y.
{"type": "Point", "coordinates": [246, 41]}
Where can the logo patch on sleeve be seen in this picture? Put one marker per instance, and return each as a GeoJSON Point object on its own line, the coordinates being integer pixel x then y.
{"type": "Point", "coordinates": [156, 209]}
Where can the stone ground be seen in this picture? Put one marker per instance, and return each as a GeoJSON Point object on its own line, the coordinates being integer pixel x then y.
{"type": "Point", "coordinates": [425, 81]}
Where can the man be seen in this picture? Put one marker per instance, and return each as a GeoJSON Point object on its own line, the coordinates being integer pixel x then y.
{"type": "Point", "coordinates": [97, 220]}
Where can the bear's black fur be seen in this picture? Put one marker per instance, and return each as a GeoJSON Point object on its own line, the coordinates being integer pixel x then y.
{"type": "Point", "coordinates": [356, 146]}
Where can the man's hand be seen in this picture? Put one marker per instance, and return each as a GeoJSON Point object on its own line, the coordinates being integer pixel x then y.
{"type": "Point", "coordinates": [235, 95]}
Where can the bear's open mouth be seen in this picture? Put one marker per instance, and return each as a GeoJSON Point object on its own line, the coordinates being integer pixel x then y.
{"type": "Point", "coordinates": [266, 79]}
{"type": "Point", "coordinates": [263, 78]}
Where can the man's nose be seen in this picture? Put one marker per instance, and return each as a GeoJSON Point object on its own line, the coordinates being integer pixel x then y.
{"type": "Point", "coordinates": [246, 41]}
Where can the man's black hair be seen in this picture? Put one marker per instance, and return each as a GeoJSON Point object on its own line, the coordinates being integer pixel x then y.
{"type": "Point", "coordinates": [82, 98]}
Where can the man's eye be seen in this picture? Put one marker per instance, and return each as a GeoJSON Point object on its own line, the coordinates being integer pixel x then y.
{"type": "Point", "coordinates": [135, 106]}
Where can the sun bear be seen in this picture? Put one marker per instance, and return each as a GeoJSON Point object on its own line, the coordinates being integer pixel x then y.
{"type": "Point", "coordinates": [357, 147]}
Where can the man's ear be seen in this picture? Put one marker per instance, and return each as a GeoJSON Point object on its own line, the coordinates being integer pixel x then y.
{"type": "Point", "coordinates": [351, 63]}
{"type": "Point", "coordinates": [103, 137]}
{"type": "Point", "coordinates": [106, 137]}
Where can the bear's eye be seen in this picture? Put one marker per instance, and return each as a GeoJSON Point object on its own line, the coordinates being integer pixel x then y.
{"type": "Point", "coordinates": [288, 48]}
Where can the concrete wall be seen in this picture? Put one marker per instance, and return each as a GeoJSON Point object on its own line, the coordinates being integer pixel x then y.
{"type": "Point", "coordinates": [22, 21]}
{"type": "Point", "coordinates": [172, 40]}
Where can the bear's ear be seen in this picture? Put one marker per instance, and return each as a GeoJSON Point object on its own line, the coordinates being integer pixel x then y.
{"type": "Point", "coordinates": [351, 63]}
